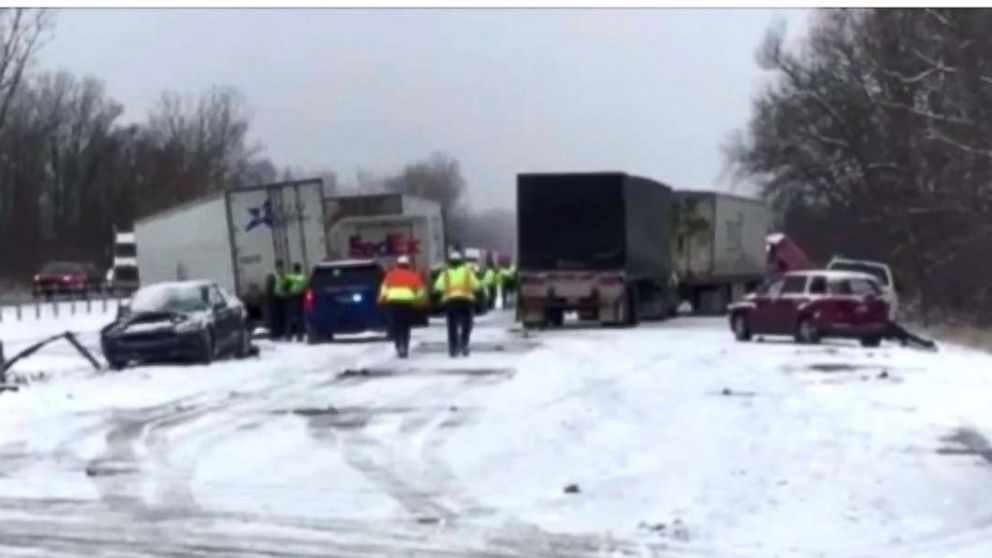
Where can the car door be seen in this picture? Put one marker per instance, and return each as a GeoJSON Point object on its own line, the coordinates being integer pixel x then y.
{"type": "Point", "coordinates": [764, 299]}
{"type": "Point", "coordinates": [784, 311]}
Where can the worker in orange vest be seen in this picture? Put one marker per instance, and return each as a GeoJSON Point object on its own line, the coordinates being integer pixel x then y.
{"type": "Point", "coordinates": [401, 293]}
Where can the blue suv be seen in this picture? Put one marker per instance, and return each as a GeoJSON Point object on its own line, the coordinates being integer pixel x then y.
{"type": "Point", "coordinates": [343, 298]}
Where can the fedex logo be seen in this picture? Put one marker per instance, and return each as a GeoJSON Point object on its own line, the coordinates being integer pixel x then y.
{"type": "Point", "coordinates": [395, 244]}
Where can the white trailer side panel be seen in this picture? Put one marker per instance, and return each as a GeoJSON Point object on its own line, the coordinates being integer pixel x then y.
{"type": "Point", "coordinates": [189, 242]}
{"type": "Point", "coordinates": [277, 222]}
{"type": "Point", "coordinates": [384, 239]}
{"type": "Point", "coordinates": [252, 223]}
{"type": "Point", "coordinates": [741, 225]}
{"type": "Point", "coordinates": [693, 239]}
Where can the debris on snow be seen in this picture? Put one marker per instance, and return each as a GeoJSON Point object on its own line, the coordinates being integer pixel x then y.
{"type": "Point", "coordinates": [572, 489]}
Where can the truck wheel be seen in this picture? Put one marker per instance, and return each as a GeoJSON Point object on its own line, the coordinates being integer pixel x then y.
{"type": "Point", "coordinates": [806, 331]}
{"type": "Point", "coordinates": [742, 329]}
{"type": "Point", "coordinates": [632, 307]}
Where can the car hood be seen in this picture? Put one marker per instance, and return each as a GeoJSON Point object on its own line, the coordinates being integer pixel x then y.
{"type": "Point", "coordinates": [152, 321]}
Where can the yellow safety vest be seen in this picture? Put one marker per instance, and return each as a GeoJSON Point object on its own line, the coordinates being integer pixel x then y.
{"type": "Point", "coordinates": [458, 283]}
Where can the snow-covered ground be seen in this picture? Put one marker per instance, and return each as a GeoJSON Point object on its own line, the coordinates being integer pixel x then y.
{"type": "Point", "coordinates": [673, 438]}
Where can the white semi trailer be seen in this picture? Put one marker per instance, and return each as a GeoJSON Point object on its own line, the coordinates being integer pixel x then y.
{"type": "Point", "coordinates": [235, 237]}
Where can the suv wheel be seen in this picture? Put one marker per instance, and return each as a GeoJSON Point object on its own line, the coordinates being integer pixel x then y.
{"type": "Point", "coordinates": [806, 331]}
{"type": "Point", "coordinates": [871, 342]}
{"type": "Point", "coordinates": [741, 327]}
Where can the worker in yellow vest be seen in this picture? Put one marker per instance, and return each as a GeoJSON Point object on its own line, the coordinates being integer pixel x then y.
{"type": "Point", "coordinates": [458, 286]}
{"type": "Point", "coordinates": [296, 286]}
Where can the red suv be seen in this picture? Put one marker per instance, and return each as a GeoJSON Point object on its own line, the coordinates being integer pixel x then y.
{"type": "Point", "coordinates": [814, 304]}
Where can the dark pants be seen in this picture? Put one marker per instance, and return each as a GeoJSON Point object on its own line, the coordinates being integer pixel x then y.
{"type": "Point", "coordinates": [294, 317]}
{"type": "Point", "coordinates": [460, 315]}
{"type": "Point", "coordinates": [276, 316]}
{"type": "Point", "coordinates": [400, 320]}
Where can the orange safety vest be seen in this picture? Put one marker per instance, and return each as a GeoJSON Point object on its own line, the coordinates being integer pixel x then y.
{"type": "Point", "coordinates": [401, 286]}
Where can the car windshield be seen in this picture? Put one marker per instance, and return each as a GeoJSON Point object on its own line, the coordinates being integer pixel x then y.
{"type": "Point", "coordinates": [876, 271]}
{"type": "Point", "coordinates": [59, 268]}
{"type": "Point", "coordinates": [170, 298]}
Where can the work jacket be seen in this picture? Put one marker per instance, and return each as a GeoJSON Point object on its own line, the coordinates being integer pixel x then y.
{"type": "Point", "coordinates": [402, 286]}
{"type": "Point", "coordinates": [296, 284]}
{"type": "Point", "coordinates": [457, 283]}
{"type": "Point", "coordinates": [280, 287]}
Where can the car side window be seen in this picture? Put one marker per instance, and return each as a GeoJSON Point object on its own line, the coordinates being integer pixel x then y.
{"type": "Point", "coordinates": [773, 289]}
{"type": "Point", "coordinates": [841, 287]}
{"type": "Point", "coordinates": [216, 298]}
{"type": "Point", "coordinates": [818, 285]}
{"type": "Point", "coordinates": [794, 285]}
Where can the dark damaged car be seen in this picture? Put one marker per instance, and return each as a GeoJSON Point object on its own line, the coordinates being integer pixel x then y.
{"type": "Point", "coordinates": [188, 321]}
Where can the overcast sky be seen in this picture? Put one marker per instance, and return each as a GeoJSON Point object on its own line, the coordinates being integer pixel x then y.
{"type": "Point", "coordinates": [652, 92]}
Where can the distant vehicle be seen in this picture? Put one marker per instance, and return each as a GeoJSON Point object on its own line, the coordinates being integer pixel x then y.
{"type": "Point", "coordinates": [383, 227]}
{"type": "Point", "coordinates": [718, 247]}
{"type": "Point", "coordinates": [595, 243]}
{"type": "Point", "coordinates": [343, 298]}
{"type": "Point", "coordinates": [66, 278]}
{"type": "Point", "coordinates": [122, 277]}
{"type": "Point", "coordinates": [234, 237]}
{"type": "Point", "coordinates": [880, 271]}
{"type": "Point", "coordinates": [811, 305]}
{"type": "Point", "coordinates": [194, 321]}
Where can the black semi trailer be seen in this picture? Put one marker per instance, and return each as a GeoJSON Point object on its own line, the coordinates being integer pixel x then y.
{"type": "Point", "coordinates": [598, 244]}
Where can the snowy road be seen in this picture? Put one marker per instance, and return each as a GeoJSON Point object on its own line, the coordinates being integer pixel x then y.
{"type": "Point", "coordinates": [678, 441]}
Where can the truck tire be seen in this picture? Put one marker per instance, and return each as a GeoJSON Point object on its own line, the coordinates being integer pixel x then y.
{"type": "Point", "coordinates": [632, 307]}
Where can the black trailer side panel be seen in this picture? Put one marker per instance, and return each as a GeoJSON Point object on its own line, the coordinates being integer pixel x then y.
{"type": "Point", "coordinates": [649, 211]}
{"type": "Point", "coordinates": [571, 221]}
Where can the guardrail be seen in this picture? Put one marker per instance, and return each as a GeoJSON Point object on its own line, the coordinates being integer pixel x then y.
{"type": "Point", "coordinates": [23, 308]}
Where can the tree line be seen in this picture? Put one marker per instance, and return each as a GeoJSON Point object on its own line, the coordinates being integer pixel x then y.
{"type": "Point", "coordinates": [72, 170]}
{"type": "Point", "coordinates": [874, 139]}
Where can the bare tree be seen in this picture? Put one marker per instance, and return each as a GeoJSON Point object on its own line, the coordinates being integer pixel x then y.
{"type": "Point", "coordinates": [21, 32]}
{"type": "Point", "coordinates": [875, 139]}
{"type": "Point", "coordinates": [438, 178]}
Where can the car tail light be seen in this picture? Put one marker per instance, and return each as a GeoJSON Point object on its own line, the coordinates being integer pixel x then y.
{"type": "Point", "coordinates": [308, 300]}
{"type": "Point", "coordinates": [68, 278]}
{"type": "Point", "coordinates": [610, 280]}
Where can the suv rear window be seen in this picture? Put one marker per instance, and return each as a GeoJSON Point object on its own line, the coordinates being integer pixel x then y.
{"type": "Point", "coordinates": [346, 276]}
{"type": "Point", "coordinates": [818, 285]}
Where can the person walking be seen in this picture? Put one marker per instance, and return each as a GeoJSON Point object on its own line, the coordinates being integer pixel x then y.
{"type": "Point", "coordinates": [402, 292]}
{"type": "Point", "coordinates": [458, 285]}
{"type": "Point", "coordinates": [489, 285]}
{"type": "Point", "coordinates": [296, 286]}
{"type": "Point", "coordinates": [275, 298]}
